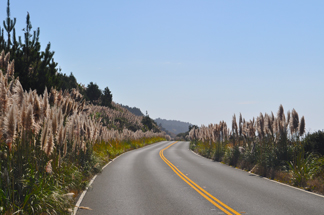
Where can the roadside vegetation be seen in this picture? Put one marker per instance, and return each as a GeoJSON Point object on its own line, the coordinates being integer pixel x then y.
{"type": "Point", "coordinates": [51, 144]}
{"type": "Point", "coordinates": [55, 133]}
{"type": "Point", "coordinates": [185, 135]}
{"type": "Point", "coordinates": [271, 146]}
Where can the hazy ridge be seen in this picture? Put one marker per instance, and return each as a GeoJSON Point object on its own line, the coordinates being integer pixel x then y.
{"type": "Point", "coordinates": [174, 126]}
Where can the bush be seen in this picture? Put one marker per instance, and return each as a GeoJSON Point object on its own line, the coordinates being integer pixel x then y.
{"type": "Point", "coordinates": [314, 143]}
{"type": "Point", "coordinates": [304, 167]}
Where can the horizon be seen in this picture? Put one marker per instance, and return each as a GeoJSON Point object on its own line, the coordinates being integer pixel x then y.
{"type": "Point", "coordinates": [195, 62]}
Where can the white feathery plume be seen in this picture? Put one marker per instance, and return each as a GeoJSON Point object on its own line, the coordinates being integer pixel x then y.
{"type": "Point", "coordinates": [10, 124]}
{"type": "Point", "coordinates": [2, 57]}
{"type": "Point", "coordinates": [44, 135]}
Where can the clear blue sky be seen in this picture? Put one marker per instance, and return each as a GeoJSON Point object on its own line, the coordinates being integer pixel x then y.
{"type": "Point", "coordinates": [194, 61]}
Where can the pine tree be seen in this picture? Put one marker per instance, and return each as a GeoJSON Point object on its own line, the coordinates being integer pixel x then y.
{"type": "Point", "coordinates": [93, 92]}
{"type": "Point", "coordinates": [106, 98]}
{"type": "Point", "coordinates": [2, 40]}
{"type": "Point", "coordinates": [9, 25]}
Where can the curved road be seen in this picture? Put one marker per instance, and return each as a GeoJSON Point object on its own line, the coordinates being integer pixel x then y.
{"type": "Point", "coordinates": [176, 181]}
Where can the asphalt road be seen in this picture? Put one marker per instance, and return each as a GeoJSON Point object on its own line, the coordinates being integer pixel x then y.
{"type": "Point", "coordinates": [145, 181]}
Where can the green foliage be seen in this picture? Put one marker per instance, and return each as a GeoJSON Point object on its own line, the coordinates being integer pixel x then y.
{"type": "Point", "coordinates": [185, 135]}
{"type": "Point", "coordinates": [282, 147]}
{"type": "Point", "coordinates": [228, 154]}
{"type": "Point", "coordinates": [268, 146]}
{"type": "Point", "coordinates": [93, 92]}
{"type": "Point", "coordinates": [27, 184]}
{"type": "Point", "coordinates": [235, 155]}
{"type": "Point", "coordinates": [106, 97]}
{"type": "Point", "coordinates": [193, 145]}
{"type": "Point", "coordinates": [35, 68]}
{"type": "Point", "coordinates": [182, 136]}
{"type": "Point", "coordinates": [268, 159]}
{"type": "Point", "coordinates": [251, 157]}
{"type": "Point", "coordinates": [9, 25]}
{"type": "Point", "coordinates": [202, 148]}
{"type": "Point", "coordinates": [134, 110]}
{"type": "Point", "coordinates": [303, 167]}
{"type": "Point", "coordinates": [67, 82]}
{"type": "Point", "coordinates": [41, 161]}
{"type": "Point", "coordinates": [150, 124]}
{"type": "Point", "coordinates": [219, 152]}
{"type": "Point", "coordinates": [314, 143]}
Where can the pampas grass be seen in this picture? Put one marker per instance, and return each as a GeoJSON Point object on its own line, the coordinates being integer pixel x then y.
{"type": "Point", "coordinates": [29, 118]}
{"type": "Point", "coordinates": [260, 126]}
{"type": "Point", "coordinates": [2, 56]}
{"type": "Point", "coordinates": [9, 127]}
{"type": "Point", "coordinates": [270, 145]}
{"type": "Point", "coordinates": [47, 137]}
{"type": "Point", "coordinates": [294, 121]}
{"type": "Point", "coordinates": [302, 126]}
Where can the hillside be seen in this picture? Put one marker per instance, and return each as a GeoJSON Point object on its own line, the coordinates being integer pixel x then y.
{"type": "Point", "coordinates": [118, 118]}
{"type": "Point", "coordinates": [138, 113]}
{"type": "Point", "coordinates": [134, 110]}
{"type": "Point", "coordinates": [173, 126]}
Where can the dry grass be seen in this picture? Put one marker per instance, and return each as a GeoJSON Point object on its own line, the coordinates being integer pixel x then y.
{"type": "Point", "coordinates": [316, 184]}
{"type": "Point", "coordinates": [283, 177]}
{"type": "Point", "coordinates": [244, 165]}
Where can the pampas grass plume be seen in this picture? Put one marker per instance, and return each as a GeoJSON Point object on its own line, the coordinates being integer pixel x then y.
{"type": "Point", "coordinates": [49, 147]}
{"type": "Point", "coordinates": [3, 98]}
{"type": "Point", "coordinates": [45, 103]}
{"type": "Point", "coordinates": [280, 114]}
{"type": "Point", "coordinates": [11, 69]}
{"type": "Point", "coordinates": [29, 117]}
{"type": "Point", "coordinates": [6, 60]}
{"type": "Point", "coordinates": [2, 56]}
{"type": "Point", "coordinates": [10, 123]}
{"type": "Point", "coordinates": [53, 116]}
{"type": "Point", "coordinates": [302, 126]}
{"type": "Point", "coordinates": [48, 167]}
{"type": "Point", "coordinates": [294, 121]}
{"type": "Point", "coordinates": [53, 97]}
{"type": "Point", "coordinates": [44, 134]}
{"type": "Point", "coordinates": [37, 109]}
{"type": "Point", "coordinates": [234, 125]}
{"type": "Point", "coordinates": [19, 93]}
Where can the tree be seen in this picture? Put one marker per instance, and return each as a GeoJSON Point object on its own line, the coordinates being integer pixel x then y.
{"type": "Point", "coordinates": [36, 69]}
{"type": "Point", "coordinates": [150, 124]}
{"type": "Point", "coordinates": [67, 82]}
{"type": "Point", "coordinates": [9, 25]}
{"type": "Point", "coordinates": [106, 97]}
{"type": "Point", "coordinates": [314, 143]}
{"type": "Point", "coordinates": [93, 92]}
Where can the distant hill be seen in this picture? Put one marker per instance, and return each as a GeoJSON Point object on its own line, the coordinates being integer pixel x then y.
{"type": "Point", "coordinates": [134, 110]}
{"type": "Point", "coordinates": [173, 126]}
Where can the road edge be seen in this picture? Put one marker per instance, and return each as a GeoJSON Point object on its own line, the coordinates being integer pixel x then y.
{"type": "Point", "coordinates": [278, 182]}
{"type": "Point", "coordinates": [77, 205]}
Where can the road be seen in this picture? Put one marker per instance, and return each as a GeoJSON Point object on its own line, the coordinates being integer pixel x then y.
{"type": "Point", "coordinates": [160, 180]}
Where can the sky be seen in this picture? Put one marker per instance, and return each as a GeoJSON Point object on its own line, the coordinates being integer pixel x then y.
{"type": "Point", "coordinates": [194, 61]}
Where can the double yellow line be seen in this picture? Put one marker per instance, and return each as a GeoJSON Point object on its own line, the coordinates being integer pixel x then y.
{"type": "Point", "coordinates": [196, 187]}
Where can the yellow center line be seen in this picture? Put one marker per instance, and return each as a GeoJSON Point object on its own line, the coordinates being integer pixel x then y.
{"type": "Point", "coordinates": [196, 187]}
